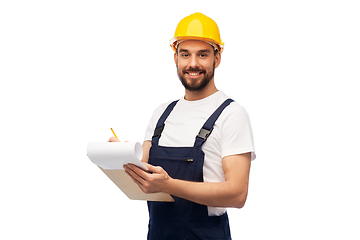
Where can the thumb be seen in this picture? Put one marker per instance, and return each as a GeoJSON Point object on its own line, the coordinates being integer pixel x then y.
{"type": "Point", "coordinates": [154, 169]}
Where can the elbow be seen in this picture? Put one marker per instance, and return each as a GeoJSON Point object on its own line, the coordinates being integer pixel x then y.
{"type": "Point", "coordinates": [240, 204]}
{"type": "Point", "coordinates": [239, 201]}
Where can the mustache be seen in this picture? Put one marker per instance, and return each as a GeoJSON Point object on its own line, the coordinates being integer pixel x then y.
{"type": "Point", "coordinates": [191, 69]}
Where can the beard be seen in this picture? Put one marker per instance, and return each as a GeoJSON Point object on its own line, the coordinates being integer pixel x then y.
{"type": "Point", "coordinates": [196, 85]}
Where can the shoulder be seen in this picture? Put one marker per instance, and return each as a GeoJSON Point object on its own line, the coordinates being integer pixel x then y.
{"type": "Point", "coordinates": [234, 106]}
{"type": "Point", "coordinates": [234, 110]}
{"type": "Point", "coordinates": [161, 108]}
{"type": "Point", "coordinates": [233, 119]}
{"type": "Point", "coordinates": [235, 132]}
{"type": "Point", "coordinates": [154, 119]}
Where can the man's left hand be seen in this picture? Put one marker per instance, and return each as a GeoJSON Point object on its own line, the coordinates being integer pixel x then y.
{"type": "Point", "coordinates": [148, 183]}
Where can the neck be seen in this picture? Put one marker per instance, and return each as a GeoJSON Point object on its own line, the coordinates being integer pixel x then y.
{"type": "Point", "coordinates": [209, 90]}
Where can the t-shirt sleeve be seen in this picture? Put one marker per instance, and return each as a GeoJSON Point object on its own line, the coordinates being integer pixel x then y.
{"type": "Point", "coordinates": [149, 130]}
{"type": "Point", "coordinates": [237, 136]}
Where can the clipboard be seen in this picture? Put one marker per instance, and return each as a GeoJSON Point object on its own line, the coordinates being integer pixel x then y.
{"type": "Point", "coordinates": [110, 157]}
{"type": "Point", "coordinates": [131, 189]}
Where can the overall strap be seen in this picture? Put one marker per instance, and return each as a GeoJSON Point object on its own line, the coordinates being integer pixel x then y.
{"type": "Point", "coordinates": [161, 123]}
{"type": "Point", "coordinates": [207, 128]}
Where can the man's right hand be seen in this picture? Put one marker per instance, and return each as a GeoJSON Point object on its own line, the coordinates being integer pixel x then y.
{"type": "Point", "coordinates": [113, 139]}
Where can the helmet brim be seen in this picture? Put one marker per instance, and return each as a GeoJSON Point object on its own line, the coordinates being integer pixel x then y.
{"type": "Point", "coordinates": [175, 41]}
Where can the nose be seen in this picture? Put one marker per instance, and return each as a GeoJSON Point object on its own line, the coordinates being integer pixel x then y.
{"type": "Point", "coordinates": [194, 61]}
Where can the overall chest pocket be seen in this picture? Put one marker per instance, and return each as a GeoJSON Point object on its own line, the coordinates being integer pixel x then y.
{"type": "Point", "coordinates": [179, 163]}
{"type": "Point", "coordinates": [180, 168]}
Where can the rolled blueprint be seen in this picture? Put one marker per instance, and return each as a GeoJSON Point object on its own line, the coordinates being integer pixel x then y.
{"type": "Point", "coordinates": [113, 155]}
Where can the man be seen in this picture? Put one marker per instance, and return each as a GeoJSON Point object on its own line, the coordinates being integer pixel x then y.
{"type": "Point", "coordinates": [198, 149]}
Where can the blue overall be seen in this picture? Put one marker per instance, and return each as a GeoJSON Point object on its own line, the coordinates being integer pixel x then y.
{"type": "Point", "coordinates": [183, 219]}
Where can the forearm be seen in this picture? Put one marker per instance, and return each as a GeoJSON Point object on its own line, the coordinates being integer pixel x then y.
{"type": "Point", "coordinates": [146, 148]}
{"type": "Point", "coordinates": [221, 194]}
{"type": "Point", "coordinates": [230, 193]}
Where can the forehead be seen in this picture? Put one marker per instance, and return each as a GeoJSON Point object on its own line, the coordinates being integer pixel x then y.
{"type": "Point", "coordinates": [195, 45]}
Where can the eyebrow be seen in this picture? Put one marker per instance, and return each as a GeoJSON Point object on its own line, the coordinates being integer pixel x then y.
{"type": "Point", "coordinates": [200, 51]}
{"type": "Point", "coordinates": [204, 51]}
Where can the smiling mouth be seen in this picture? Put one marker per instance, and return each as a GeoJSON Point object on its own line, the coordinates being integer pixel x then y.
{"type": "Point", "coordinates": [193, 73]}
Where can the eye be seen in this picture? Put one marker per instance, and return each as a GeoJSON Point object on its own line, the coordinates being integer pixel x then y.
{"type": "Point", "coordinates": [185, 55]}
{"type": "Point", "coordinates": [203, 55]}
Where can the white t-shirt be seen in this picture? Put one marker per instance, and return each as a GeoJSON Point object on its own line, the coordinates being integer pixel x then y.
{"type": "Point", "coordinates": [232, 133]}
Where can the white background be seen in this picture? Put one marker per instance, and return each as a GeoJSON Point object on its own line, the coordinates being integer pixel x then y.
{"type": "Point", "coordinates": [70, 70]}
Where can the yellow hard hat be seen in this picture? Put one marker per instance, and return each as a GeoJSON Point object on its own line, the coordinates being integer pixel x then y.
{"type": "Point", "coordinates": [197, 26]}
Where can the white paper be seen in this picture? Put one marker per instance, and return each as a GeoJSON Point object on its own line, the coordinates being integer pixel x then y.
{"type": "Point", "coordinates": [113, 155]}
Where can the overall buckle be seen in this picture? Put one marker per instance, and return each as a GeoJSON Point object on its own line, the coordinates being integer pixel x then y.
{"type": "Point", "coordinates": [204, 133]}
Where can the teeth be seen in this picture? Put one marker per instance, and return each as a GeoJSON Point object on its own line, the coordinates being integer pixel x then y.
{"type": "Point", "coordinates": [193, 74]}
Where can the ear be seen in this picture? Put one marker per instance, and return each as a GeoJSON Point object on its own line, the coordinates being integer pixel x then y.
{"type": "Point", "coordinates": [217, 59]}
{"type": "Point", "coordinates": [175, 59]}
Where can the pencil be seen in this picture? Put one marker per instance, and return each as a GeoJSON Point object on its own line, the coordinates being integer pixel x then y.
{"type": "Point", "coordinates": [114, 133]}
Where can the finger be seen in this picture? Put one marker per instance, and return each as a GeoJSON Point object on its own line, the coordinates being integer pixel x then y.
{"type": "Point", "coordinates": [136, 181]}
{"type": "Point", "coordinates": [140, 181]}
{"type": "Point", "coordinates": [113, 139]}
{"type": "Point", "coordinates": [134, 176]}
{"type": "Point", "coordinates": [139, 171]}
